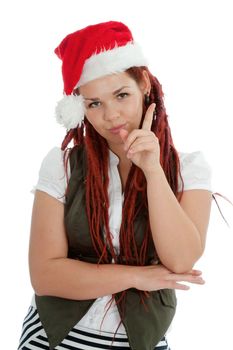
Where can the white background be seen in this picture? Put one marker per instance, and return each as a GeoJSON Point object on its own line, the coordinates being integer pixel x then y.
{"type": "Point", "coordinates": [189, 47]}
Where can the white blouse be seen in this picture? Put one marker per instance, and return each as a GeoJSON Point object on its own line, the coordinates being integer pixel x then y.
{"type": "Point", "coordinates": [196, 174]}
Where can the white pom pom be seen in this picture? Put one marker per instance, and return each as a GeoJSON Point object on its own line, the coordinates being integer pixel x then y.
{"type": "Point", "coordinates": [70, 111]}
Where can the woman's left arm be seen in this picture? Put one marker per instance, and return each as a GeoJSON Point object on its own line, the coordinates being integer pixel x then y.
{"type": "Point", "coordinates": [178, 229]}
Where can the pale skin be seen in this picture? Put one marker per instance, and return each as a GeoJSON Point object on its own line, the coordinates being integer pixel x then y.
{"type": "Point", "coordinates": [178, 229]}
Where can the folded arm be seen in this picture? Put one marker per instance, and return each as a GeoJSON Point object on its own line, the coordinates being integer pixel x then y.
{"type": "Point", "coordinates": [52, 273]}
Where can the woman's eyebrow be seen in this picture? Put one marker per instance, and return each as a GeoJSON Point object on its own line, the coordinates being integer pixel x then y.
{"type": "Point", "coordinates": [114, 93]}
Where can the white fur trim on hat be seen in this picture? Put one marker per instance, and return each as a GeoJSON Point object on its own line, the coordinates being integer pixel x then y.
{"type": "Point", "coordinates": [112, 61]}
{"type": "Point", "coordinates": [70, 111]}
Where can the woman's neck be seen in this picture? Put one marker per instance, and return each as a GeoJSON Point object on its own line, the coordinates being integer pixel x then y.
{"type": "Point", "coordinates": [119, 151]}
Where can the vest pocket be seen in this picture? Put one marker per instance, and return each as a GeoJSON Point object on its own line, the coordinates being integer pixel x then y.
{"type": "Point", "coordinates": [168, 297]}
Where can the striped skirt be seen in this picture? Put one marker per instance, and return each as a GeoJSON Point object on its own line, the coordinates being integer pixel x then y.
{"type": "Point", "coordinates": [79, 338]}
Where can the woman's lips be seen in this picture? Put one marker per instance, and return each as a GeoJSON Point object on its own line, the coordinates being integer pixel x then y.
{"type": "Point", "coordinates": [116, 129]}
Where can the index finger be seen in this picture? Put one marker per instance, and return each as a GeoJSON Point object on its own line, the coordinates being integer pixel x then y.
{"type": "Point", "coordinates": [147, 122]}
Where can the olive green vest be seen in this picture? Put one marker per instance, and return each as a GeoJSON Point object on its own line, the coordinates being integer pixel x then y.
{"type": "Point", "coordinates": [145, 328]}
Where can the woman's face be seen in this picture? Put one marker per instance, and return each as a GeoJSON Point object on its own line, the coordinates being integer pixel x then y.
{"type": "Point", "coordinates": [114, 101]}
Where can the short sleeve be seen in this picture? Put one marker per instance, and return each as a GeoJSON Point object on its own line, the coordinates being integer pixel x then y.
{"type": "Point", "coordinates": [52, 178]}
{"type": "Point", "coordinates": [195, 171]}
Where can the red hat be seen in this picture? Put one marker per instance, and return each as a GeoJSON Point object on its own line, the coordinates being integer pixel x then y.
{"type": "Point", "coordinates": [90, 53]}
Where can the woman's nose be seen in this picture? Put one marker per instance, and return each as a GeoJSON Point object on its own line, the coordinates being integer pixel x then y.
{"type": "Point", "coordinates": [111, 113]}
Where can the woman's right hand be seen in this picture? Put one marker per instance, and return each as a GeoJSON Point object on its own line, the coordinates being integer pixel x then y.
{"type": "Point", "coordinates": [155, 277]}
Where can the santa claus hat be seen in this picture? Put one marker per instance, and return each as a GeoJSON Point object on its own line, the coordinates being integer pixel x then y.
{"type": "Point", "coordinates": [90, 53]}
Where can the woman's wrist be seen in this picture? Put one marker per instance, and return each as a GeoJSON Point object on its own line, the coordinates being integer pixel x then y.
{"type": "Point", "coordinates": [156, 171]}
{"type": "Point", "coordinates": [134, 276]}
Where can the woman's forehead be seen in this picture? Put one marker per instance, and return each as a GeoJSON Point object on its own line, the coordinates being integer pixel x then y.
{"type": "Point", "coordinates": [110, 83]}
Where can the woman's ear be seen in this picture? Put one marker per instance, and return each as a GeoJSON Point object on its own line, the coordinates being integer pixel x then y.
{"type": "Point", "coordinates": [145, 84]}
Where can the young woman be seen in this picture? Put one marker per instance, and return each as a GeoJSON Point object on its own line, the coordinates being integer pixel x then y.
{"type": "Point", "coordinates": [120, 218]}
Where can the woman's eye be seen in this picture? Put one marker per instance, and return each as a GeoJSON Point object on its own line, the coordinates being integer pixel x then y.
{"type": "Point", "coordinates": [122, 94]}
{"type": "Point", "coordinates": [97, 103]}
{"type": "Point", "coordinates": [93, 104]}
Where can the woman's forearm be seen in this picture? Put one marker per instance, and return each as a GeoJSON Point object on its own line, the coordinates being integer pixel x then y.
{"type": "Point", "coordinates": [74, 279]}
{"type": "Point", "coordinates": [176, 238]}
{"type": "Point", "coordinates": [77, 280]}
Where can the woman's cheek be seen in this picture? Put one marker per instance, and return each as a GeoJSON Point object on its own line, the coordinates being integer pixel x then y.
{"type": "Point", "coordinates": [134, 111]}
{"type": "Point", "coordinates": [91, 116]}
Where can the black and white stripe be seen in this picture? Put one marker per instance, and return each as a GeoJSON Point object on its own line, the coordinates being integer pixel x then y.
{"type": "Point", "coordinates": [79, 338]}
